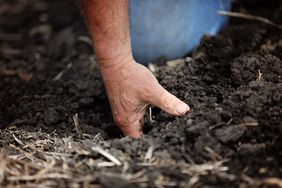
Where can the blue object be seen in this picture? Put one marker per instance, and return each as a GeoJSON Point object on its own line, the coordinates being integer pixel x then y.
{"type": "Point", "coordinates": [172, 28]}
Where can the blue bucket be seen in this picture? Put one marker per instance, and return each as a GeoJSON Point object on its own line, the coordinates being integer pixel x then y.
{"type": "Point", "coordinates": [172, 28]}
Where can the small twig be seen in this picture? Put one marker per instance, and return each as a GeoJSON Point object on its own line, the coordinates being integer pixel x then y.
{"type": "Point", "coordinates": [249, 124]}
{"type": "Point", "coordinates": [60, 74]}
{"type": "Point", "coordinates": [77, 125]}
{"type": "Point", "coordinates": [17, 140]}
{"type": "Point", "coordinates": [98, 138]}
{"type": "Point", "coordinates": [230, 121]}
{"type": "Point", "coordinates": [204, 168]}
{"type": "Point", "coordinates": [259, 75]}
{"type": "Point", "coordinates": [249, 17]}
{"type": "Point", "coordinates": [150, 115]}
{"type": "Point", "coordinates": [215, 156]}
{"type": "Point", "coordinates": [109, 156]}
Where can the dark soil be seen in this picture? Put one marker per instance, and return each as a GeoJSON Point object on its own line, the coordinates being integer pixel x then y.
{"type": "Point", "coordinates": [48, 73]}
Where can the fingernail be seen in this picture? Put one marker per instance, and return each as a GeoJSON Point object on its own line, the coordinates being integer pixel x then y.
{"type": "Point", "coordinates": [182, 108]}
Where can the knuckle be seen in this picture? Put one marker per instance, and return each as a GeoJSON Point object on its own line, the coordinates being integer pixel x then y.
{"type": "Point", "coordinates": [148, 90]}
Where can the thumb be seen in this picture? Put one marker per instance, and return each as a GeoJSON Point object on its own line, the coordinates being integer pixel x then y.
{"type": "Point", "coordinates": [168, 102]}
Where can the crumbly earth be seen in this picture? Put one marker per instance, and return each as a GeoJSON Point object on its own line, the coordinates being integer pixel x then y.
{"type": "Point", "coordinates": [48, 74]}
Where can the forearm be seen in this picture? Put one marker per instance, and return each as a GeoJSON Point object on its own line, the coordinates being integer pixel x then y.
{"type": "Point", "coordinates": [108, 22]}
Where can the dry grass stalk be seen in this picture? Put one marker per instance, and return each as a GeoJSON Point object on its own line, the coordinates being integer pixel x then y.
{"type": "Point", "coordinates": [200, 169]}
{"type": "Point", "coordinates": [249, 17]}
{"type": "Point", "coordinates": [109, 156]}
{"type": "Point", "coordinates": [17, 140]}
{"type": "Point", "coordinates": [77, 125]}
{"type": "Point", "coordinates": [214, 156]}
{"type": "Point", "coordinates": [150, 115]}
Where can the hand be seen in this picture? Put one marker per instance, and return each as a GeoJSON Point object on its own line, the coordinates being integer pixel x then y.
{"type": "Point", "coordinates": [131, 87]}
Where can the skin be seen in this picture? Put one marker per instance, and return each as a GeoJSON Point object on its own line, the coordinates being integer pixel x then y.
{"type": "Point", "coordinates": [130, 86]}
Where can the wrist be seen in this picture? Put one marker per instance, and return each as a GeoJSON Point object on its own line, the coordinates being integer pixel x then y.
{"type": "Point", "coordinates": [114, 62]}
{"type": "Point", "coordinates": [111, 53]}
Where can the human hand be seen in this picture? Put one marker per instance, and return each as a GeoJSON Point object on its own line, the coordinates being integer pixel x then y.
{"type": "Point", "coordinates": [131, 88]}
